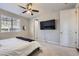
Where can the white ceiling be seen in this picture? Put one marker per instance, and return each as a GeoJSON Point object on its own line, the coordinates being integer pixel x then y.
{"type": "Point", "coordinates": [42, 7]}
{"type": "Point", "coordinates": [54, 6]}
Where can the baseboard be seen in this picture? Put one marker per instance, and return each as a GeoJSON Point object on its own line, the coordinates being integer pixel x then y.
{"type": "Point", "coordinates": [49, 42]}
{"type": "Point", "coordinates": [53, 43]}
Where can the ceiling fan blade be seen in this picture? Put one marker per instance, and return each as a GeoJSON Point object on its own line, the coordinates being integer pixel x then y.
{"type": "Point", "coordinates": [31, 13]}
{"type": "Point", "coordinates": [24, 11]}
{"type": "Point", "coordinates": [22, 7]}
{"type": "Point", "coordinates": [35, 10]}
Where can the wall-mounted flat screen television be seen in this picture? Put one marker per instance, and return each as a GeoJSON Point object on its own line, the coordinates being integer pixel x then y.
{"type": "Point", "coordinates": [48, 25]}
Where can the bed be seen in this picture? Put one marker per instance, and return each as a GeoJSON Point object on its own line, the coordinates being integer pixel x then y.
{"type": "Point", "coordinates": [17, 47]}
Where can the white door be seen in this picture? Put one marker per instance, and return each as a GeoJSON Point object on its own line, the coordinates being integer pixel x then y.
{"type": "Point", "coordinates": [78, 27]}
{"type": "Point", "coordinates": [36, 29]}
{"type": "Point", "coordinates": [68, 28]}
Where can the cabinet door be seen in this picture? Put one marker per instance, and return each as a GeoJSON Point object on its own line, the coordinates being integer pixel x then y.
{"type": "Point", "coordinates": [78, 28]}
{"type": "Point", "coordinates": [68, 28]}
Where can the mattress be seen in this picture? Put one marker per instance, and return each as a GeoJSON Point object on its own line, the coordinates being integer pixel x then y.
{"type": "Point", "coordinates": [17, 47]}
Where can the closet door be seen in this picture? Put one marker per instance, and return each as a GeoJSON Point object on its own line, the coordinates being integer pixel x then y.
{"type": "Point", "coordinates": [78, 28]}
{"type": "Point", "coordinates": [68, 28]}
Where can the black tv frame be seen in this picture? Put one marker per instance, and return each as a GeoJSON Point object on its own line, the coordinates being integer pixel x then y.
{"type": "Point", "coordinates": [48, 25]}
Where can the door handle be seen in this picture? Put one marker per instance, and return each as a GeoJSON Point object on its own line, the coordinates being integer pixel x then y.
{"type": "Point", "coordinates": [75, 42]}
{"type": "Point", "coordinates": [61, 32]}
{"type": "Point", "coordinates": [75, 32]}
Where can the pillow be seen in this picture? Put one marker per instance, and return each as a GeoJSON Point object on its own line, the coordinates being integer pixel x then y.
{"type": "Point", "coordinates": [25, 39]}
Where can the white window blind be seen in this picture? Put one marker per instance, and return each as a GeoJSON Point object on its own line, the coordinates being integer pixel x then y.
{"type": "Point", "coordinates": [9, 24]}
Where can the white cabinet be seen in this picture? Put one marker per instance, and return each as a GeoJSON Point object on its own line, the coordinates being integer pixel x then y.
{"type": "Point", "coordinates": [69, 28]}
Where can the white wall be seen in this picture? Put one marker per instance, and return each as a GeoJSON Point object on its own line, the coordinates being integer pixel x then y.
{"type": "Point", "coordinates": [24, 22]}
{"type": "Point", "coordinates": [46, 35]}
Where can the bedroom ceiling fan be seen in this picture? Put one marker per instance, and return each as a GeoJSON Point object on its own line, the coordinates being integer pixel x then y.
{"type": "Point", "coordinates": [28, 9]}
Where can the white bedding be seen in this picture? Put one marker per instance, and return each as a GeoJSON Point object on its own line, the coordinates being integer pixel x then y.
{"type": "Point", "coordinates": [16, 47]}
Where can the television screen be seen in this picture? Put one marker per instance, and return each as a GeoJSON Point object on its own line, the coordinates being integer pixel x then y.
{"type": "Point", "coordinates": [47, 25]}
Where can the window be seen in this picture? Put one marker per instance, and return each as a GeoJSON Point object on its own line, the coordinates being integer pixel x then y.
{"type": "Point", "coordinates": [9, 24]}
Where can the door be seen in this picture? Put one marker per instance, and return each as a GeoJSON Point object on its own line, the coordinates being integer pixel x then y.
{"type": "Point", "coordinates": [36, 29]}
{"type": "Point", "coordinates": [78, 27]}
{"type": "Point", "coordinates": [68, 28]}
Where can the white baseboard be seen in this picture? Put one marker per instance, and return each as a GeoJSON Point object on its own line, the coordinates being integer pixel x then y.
{"type": "Point", "coordinates": [49, 42]}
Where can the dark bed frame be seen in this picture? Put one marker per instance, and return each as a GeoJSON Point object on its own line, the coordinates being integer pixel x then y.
{"type": "Point", "coordinates": [37, 50]}
{"type": "Point", "coordinates": [77, 49]}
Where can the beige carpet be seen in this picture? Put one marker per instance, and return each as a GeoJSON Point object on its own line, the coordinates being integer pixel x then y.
{"type": "Point", "coordinates": [56, 50]}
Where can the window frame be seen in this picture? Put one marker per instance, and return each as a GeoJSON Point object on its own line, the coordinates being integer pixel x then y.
{"type": "Point", "coordinates": [11, 29]}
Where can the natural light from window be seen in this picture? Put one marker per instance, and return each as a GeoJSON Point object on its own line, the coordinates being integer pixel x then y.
{"type": "Point", "coordinates": [9, 24]}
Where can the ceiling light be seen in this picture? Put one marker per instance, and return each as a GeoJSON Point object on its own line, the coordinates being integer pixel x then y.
{"type": "Point", "coordinates": [28, 12]}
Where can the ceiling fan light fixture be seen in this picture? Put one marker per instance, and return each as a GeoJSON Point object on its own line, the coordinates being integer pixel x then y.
{"type": "Point", "coordinates": [28, 12]}
{"type": "Point", "coordinates": [29, 6]}
{"type": "Point", "coordinates": [28, 9]}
